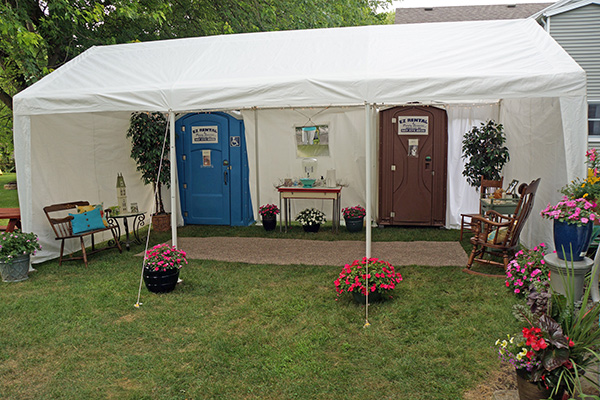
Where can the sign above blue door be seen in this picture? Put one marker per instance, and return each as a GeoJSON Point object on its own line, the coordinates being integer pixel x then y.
{"type": "Point", "coordinates": [205, 134]}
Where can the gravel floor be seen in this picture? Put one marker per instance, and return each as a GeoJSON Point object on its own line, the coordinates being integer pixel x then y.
{"type": "Point", "coordinates": [316, 252]}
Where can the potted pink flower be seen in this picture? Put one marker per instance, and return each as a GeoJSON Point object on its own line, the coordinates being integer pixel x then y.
{"type": "Point", "coordinates": [527, 268]}
{"type": "Point", "coordinates": [573, 224]}
{"type": "Point", "coordinates": [161, 267]}
{"type": "Point", "coordinates": [268, 213]}
{"type": "Point", "coordinates": [354, 217]}
{"type": "Point", "coordinates": [376, 277]}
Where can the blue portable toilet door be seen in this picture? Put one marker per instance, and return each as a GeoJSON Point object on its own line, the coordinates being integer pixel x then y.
{"type": "Point", "coordinates": [206, 169]}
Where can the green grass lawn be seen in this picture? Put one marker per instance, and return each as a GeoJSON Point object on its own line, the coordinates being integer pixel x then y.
{"type": "Point", "coordinates": [8, 198]}
{"type": "Point", "coordinates": [241, 331]}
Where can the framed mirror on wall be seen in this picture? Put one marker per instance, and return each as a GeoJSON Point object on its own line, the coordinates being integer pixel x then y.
{"type": "Point", "coordinates": [312, 141]}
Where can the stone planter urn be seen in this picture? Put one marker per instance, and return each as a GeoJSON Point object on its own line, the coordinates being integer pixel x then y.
{"type": "Point", "coordinates": [16, 269]}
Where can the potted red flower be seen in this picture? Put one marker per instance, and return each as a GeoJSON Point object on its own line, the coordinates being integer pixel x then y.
{"type": "Point", "coordinates": [161, 267]}
{"type": "Point", "coordinates": [268, 213]}
{"type": "Point", "coordinates": [354, 217]}
{"type": "Point", "coordinates": [376, 277]}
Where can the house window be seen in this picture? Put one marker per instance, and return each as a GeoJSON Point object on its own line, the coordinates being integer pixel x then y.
{"type": "Point", "coordinates": [594, 118]}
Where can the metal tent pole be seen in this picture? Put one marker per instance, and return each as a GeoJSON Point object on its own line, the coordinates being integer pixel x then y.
{"type": "Point", "coordinates": [368, 200]}
{"type": "Point", "coordinates": [368, 177]}
{"type": "Point", "coordinates": [173, 160]}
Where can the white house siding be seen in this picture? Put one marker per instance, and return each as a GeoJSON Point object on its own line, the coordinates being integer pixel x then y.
{"type": "Point", "coordinates": [578, 32]}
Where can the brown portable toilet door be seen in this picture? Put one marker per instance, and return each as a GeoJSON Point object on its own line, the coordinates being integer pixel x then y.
{"type": "Point", "coordinates": [413, 166]}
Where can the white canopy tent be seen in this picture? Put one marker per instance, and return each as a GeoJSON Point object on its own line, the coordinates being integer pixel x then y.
{"type": "Point", "coordinates": [69, 127]}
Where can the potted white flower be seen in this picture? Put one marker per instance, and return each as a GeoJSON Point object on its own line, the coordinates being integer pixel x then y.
{"type": "Point", "coordinates": [311, 219]}
{"type": "Point", "coordinates": [15, 250]}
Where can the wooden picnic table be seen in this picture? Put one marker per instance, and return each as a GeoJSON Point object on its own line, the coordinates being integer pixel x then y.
{"type": "Point", "coordinates": [13, 215]}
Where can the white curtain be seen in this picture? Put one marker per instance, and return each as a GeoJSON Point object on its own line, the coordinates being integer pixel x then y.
{"type": "Point", "coordinates": [461, 197]}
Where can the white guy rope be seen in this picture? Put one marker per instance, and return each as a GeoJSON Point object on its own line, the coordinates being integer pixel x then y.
{"type": "Point", "coordinates": [162, 155]}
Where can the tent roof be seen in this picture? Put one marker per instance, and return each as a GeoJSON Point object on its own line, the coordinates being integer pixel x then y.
{"type": "Point", "coordinates": [453, 61]}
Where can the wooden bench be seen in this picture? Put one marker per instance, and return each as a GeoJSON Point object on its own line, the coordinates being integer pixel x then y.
{"type": "Point", "coordinates": [60, 221]}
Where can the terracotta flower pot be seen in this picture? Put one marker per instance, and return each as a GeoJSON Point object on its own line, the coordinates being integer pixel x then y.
{"type": "Point", "coordinates": [161, 222]}
{"type": "Point", "coordinates": [530, 390]}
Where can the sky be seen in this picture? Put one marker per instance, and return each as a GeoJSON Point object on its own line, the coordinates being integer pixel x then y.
{"type": "Point", "coordinates": [448, 3]}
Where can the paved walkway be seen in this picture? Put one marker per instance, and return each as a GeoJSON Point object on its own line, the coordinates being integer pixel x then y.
{"type": "Point", "coordinates": [317, 252]}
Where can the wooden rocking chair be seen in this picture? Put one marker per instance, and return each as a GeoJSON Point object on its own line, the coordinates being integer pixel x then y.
{"type": "Point", "coordinates": [498, 235]}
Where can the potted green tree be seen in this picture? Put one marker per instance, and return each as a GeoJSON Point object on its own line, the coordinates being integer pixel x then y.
{"type": "Point", "coordinates": [15, 250]}
{"type": "Point", "coordinates": [147, 131]}
{"type": "Point", "coordinates": [483, 148]}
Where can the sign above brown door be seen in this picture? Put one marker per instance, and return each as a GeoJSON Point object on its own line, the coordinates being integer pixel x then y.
{"type": "Point", "coordinates": [413, 152]}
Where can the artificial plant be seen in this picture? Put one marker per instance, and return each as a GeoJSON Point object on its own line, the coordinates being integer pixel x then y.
{"type": "Point", "coordinates": [483, 148]}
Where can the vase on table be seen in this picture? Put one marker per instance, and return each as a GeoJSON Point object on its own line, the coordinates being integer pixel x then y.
{"type": "Point", "coordinates": [314, 228]}
{"type": "Point", "coordinates": [572, 239]}
{"type": "Point", "coordinates": [269, 222]}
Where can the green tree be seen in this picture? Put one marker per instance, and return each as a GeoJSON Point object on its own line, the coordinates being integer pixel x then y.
{"type": "Point", "coordinates": [38, 36]}
{"type": "Point", "coordinates": [147, 132]}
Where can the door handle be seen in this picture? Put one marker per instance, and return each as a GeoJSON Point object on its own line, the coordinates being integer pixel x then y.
{"type": "Point", "coordinates": [225, 177]}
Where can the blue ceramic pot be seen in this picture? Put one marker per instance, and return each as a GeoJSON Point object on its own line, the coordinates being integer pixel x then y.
{"type": "Point", "coordinates": [571, 239]}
